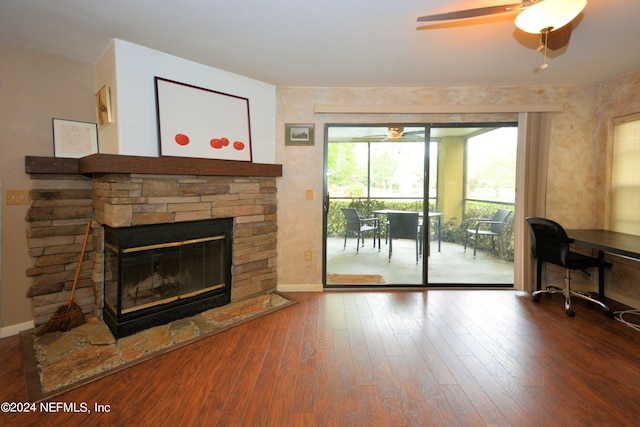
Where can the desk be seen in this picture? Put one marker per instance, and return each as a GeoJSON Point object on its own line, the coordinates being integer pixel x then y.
{"type": "Point", "coordinates": [627, 245]}
{"type": "Point", "coordinates": [436, 215]}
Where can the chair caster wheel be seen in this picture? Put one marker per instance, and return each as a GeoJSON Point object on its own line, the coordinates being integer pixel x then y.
{"type": "Point", "coordinates": [536, 298]}
{"type": "Point", "coordinates": [609, 314]}
{"type": "Point", "coordinates": [570, 312]}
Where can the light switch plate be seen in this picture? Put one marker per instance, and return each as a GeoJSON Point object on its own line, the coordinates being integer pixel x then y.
{"type": "Point", "coordinates": [17, 197]}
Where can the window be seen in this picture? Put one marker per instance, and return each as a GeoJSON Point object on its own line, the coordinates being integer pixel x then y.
{"type": "Point", "coordinates": [365, 162]}
{"type": "Point", "coordinates": [397, 169]}
{"type": "Point", "coordinates": [625, 179]}
{"type": "Point", "coordinates": [491, 160]}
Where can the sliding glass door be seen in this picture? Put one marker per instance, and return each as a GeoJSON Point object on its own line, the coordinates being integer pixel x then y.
{"type": "Point", "coordinates": [400, 198]}
{"type": "Point", "coordinates": [476, 176]}
{"type": "Point", "coordinates": [373, 172]}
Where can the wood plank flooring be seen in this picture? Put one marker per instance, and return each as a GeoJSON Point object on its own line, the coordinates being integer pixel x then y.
{"type": "Point", "coordinates": [398, 358]}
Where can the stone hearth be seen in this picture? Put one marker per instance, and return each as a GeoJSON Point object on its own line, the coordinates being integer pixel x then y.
{"type": "Point", "coordinates": [59, 361]}
{"type": "Point", "coordinates": [67, 193]}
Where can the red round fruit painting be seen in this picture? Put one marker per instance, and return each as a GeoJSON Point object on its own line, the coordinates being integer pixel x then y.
{"type": "Point", "coordinates": [182, 139]}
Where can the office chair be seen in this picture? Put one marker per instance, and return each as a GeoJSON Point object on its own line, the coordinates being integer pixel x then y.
{"type": "Point", "coordinates": [355, 224]}
{"type": "Point", "coordinates": [550, 243]}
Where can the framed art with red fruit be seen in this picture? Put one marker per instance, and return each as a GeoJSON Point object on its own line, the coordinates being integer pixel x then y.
{"type": "Point", "coordinates": [199, 122]}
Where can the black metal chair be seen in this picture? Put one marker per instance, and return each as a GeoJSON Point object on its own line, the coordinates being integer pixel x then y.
{"type": "Point", "coordinates": [488, 227]}
{"type": "Point", "coordinates": [550, 243]}
{"type": "Point", "coordinates": [404, 225]}
{"type": "Point", "coordinates": [355, 224]}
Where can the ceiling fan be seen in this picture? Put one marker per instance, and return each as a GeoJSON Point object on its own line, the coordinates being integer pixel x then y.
{"type": "Point", "coordinates": [548, 18]}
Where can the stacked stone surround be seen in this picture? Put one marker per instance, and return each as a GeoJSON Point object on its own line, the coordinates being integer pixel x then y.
{"type": "Point", "coordinates": [63, 204]}
{"type": "Point", "coordinates": [61, 207]}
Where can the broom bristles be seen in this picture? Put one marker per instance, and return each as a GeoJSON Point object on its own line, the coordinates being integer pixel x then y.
{"type": "Point", "coordinates": [66, 317]}
{"type": "Point", "coordinates": [70, 315]}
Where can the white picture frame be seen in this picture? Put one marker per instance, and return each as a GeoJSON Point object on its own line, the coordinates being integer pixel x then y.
{"type": "Point", "coordinates": [74, 139]}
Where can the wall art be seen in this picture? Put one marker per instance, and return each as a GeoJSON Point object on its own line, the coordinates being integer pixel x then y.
{"type": "Point", "coordinates": [103, 106]}
{"type": "Point", "coordinates": [74, 139]}
{"type": "Point", "coordinates": [199, 122]}
{"type": "Point", "coordinates": [298, 134]}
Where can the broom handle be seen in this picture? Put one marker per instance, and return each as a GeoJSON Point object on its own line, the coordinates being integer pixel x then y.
{"type": "Point", "coordinates": [75, 280]}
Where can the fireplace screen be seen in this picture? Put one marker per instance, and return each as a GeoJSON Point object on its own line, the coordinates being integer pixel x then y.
{"type": "Point", "coordinates": [159, 274]}
{"type": "Point", "coordinates": [155, 274]}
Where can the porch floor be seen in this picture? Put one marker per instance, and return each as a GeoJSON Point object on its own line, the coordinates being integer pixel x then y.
{"type": "Point", "coordinates": [451, 266]}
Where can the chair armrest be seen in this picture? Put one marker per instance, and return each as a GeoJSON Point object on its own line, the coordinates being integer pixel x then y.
{"type": "Point", "coordinates": [375, 220]}
{"type": "Point", "coordinates": [469, 221]}
{"type": "Point", "coordinates": [478, 219]}
{"type": "Point", "coordinates": [486, 221]}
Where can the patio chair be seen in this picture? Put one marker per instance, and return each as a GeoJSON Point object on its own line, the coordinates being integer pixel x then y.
{"type": "Point", "coordinates": [493, 227]}
{"type": "Point", "coordinates": [355, 224]}
{"type": "Point", "coordinates": [404, 225]}
{"type": "Point", "coordinates": [550, 243]}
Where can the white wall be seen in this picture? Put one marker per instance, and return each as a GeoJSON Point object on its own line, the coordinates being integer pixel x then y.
{"type": "Point", "coordinates": [130, 70]}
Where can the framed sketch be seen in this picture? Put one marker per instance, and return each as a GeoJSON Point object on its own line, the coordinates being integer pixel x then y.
{"type": "Point", "coordinates": [103, 106]}
{"type": "Point", "coordinates": [199, 122]}
{"type": "Point", "coordinates": [298, 134]}
{"type": "Point", "coordinates": [74, 139]}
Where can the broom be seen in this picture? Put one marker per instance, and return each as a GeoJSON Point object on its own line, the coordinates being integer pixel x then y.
{"type": "Point", "coordinates": [69, 315]}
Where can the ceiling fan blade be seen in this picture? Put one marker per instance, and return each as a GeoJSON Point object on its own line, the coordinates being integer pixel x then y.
{"type": "Point", "coordinates": [472, 13]}
{"type": "Point", "coordinates": [559, 38]}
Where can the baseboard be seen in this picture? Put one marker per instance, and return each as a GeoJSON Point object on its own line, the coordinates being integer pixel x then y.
{"type": "Point", "coordinates": [8, 331]}
{"type": "Point", "coordinates": [300, 288]}
{"type": "Point", "coordinates": [631, 302]}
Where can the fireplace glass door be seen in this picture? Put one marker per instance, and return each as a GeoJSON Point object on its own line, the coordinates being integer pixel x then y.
{"type": "Point", "coordinates": [155, 274]}
{"type": "Point", "coordinates": [159, 274]}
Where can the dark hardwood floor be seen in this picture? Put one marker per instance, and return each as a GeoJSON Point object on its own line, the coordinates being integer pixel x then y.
{"type": "Point", "coordinates": [402, 358]}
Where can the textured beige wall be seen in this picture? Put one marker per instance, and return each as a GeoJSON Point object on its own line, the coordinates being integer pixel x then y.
{"type": "Point", "coordinates": [34, 88]}
{"type": "Point", "coordinates": [571, 182]}
{"type": "Point", "coordinates": [571, 171]}
{"type": "Point", "coordinates": [617, 98]}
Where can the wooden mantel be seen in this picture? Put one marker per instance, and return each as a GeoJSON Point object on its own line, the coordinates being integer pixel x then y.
{"type": "Point", "coordinates": [115, 163]}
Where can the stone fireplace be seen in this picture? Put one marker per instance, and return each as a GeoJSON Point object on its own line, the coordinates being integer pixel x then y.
{"type": "Point", "coordinates": [154, 274]}
{"type": "Point", "coordinates": [66, 193]}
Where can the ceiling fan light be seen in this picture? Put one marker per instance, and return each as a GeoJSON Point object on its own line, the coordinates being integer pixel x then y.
{"type": "Point", "coordinates": [395, 132]}
{"type": "Point", "coordinates": [549, 15]}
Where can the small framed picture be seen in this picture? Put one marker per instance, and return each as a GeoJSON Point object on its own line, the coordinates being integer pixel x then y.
{"type": "Point", "coordinates": [103, 106]}
{"type": "Point", "coordinates": [74, 139]}
{"type": "Point", "coordinates": [298, 134]}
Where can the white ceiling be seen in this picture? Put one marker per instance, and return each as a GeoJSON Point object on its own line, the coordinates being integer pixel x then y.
{"type": "Point", "coordinates": [335, 42]}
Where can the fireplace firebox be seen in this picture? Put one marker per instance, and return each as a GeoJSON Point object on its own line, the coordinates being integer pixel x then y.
{"type": "Point", "coordinates": [158, 273]}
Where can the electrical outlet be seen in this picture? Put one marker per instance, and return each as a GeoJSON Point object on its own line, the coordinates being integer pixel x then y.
{"type": "Point", "coordinates": [308, 255]}
{"type": "Point", "coordinates": [309, 194]}
{"type": "Point", "coordinates": [17, 197]}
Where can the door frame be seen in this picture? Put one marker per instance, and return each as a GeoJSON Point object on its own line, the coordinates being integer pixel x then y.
{"type": "Point", "coordinates": [326, 198]}
{"type": "Point", "coordinates": [428, 126]}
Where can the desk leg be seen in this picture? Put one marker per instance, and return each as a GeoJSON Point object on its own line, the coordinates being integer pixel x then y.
{"type": "Point", "coordinates": [439, 232]}
{"type": "Point", "coordinates": [601, 278]}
